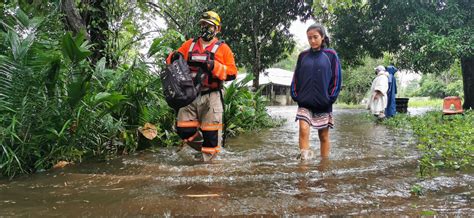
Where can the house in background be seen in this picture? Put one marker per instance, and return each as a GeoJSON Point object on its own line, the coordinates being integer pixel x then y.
{"type": "Point", "coordinates": [277, 84]}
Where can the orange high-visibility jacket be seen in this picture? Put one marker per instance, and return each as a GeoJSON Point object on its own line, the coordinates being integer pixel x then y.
{"type": "Point", "coordinates": [224, 63]}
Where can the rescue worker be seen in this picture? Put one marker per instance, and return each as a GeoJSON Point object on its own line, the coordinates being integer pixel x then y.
{"type": "Point", "coordinates": [211, 62]}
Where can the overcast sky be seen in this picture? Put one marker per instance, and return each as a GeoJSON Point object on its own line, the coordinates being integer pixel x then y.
{"type": "Point", "coordinates": [298, 29]}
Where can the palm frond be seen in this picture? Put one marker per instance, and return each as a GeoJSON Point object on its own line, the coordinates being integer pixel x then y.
{"type": "Point", "coordinates": [7, 69]}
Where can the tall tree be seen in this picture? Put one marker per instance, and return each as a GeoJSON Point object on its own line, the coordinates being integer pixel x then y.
{"type": "Point", "coordinates": [91, 20]}
{"type": "Point", "coordinates": [102, 21]}
{"type": "Point", "coordinates": [426, 36]}
{"type": "Point", "coordinates": [258, 31]}
{"type": "Point", "coordinates": [181, 15]}
{"type": "Point", "coordinates": [73, 18]}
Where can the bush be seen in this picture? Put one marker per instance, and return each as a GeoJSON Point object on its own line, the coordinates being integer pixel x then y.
{"type": "Point", "coordinates": [455, 89]}
{"type": "Point", "coordinates": [447, 83]}
{"type": "Point", "coordinates": [245, 110]}
{"type": "Point", "coordinates": [430, 86]}
{"type": "Point", "coordinates": [55, 106]}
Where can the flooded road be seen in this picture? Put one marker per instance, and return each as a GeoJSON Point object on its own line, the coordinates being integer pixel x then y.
{"type": "Point", "coordinates": [258, 174]}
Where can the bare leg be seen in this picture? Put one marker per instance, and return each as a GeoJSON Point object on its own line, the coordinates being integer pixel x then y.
{"type": "Point", "coordinates": [304, 135]}
{"type": "Point", "coordinates": [324, 141]}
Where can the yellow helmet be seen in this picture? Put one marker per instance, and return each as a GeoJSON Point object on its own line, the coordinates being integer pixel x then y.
{"type": "Point", "coordinates": [210, 17]}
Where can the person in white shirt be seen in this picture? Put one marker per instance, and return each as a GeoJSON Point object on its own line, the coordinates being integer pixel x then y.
{"type": "Point", "coordinates": [378, 93]}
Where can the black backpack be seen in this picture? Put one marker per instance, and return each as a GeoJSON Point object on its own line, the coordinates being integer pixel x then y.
{"type": "Point", "coordinates": [178, 86]}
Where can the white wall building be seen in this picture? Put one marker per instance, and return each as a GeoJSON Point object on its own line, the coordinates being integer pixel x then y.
{"type": "Point", "coordinates": [277, 84]}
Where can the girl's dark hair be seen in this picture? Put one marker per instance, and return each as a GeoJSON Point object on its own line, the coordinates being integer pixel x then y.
{"type": "Point", "coordinates": [322, 31]}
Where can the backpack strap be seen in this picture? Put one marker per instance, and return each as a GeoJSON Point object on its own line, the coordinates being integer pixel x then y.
{"type": "Point", "coordinates": [216, 46]}
{"type": "Point", "coordinates": [190, 50]}
{"type": "Point", "coordinates": [213, 50]}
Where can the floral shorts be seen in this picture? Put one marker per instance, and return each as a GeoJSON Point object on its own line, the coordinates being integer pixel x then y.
{"type": "Point", "coordinates": [316, 120]}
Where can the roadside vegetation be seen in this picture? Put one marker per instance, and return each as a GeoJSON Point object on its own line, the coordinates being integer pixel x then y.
{"type": "Point", "coordinates": [65, 97]}
{"type": "Point", "coordinates": [444, 142]}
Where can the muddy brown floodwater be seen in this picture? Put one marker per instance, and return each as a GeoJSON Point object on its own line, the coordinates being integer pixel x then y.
{"type": "Point", "coordinates": [258, 174]}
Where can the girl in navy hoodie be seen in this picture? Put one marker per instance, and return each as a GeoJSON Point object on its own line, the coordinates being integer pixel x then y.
{"type": "Point", "coordinates": [315, 87]}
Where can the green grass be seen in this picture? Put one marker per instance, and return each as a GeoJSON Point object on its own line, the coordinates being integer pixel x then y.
{"type": "Point", "coordinates": [425, 102]}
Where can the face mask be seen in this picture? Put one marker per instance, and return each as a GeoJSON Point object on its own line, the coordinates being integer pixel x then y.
{"type": "Point", "coordinates": [207, 34]}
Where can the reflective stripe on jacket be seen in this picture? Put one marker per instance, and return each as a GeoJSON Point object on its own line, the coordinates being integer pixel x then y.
{"type": "Point", "coordinates": [224, 68]}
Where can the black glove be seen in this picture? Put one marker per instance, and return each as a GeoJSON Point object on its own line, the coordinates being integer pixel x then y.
{"type": "Point", "coordinates": [175, 56]}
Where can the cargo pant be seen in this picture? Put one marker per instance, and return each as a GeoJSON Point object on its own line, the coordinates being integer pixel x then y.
{"type": "Point", "coordinates": [204, 114]}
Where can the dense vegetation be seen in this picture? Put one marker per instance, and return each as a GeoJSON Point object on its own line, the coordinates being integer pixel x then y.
{"type": "Point", "coordinates": [424, 36]}
{"type": "Point", "coordinates": [445, 142]}
{"type": "Point", "coordinates": [75, 85]}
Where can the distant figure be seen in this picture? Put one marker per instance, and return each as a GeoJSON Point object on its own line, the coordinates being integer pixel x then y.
{"type": "Point", "coordinates": [315, 87]}
{"type": "Point", "coordinates": [391, 109]}
{"type": "Point", "coordinates": [378, 93]}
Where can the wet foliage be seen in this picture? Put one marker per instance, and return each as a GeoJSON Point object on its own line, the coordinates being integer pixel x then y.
{"type": "Point", "coordinates": [63, 97]}
{"type": "Point", "coordinates": [445, 142]}
{"type": "Point", "coordinates": [245, 110]}
{"type": "Point", "coordinates": [427, 37]}
{"type": "Point", "coordinates": [57, 105]}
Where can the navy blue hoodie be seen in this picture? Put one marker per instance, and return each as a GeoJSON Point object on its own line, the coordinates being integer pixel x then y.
{"type": "Point", "coordinates": [317, 80]}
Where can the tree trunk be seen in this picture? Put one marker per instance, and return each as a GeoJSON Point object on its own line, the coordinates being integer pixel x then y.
{"type": "Point", "coordinates": [256, 74]}
{"type": "Point", "coordinates": [467, 66]}
{"type": "Point", "coordinates": [256, 69]}
{"type": "Point", "coordinates": [73, 19]}
{"type": "Point", "coordinates": [98, 26]}
{"type": "Point", "coordinates": [256, 47]}
{"type": "Point", "coordinates": [95, 21]}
